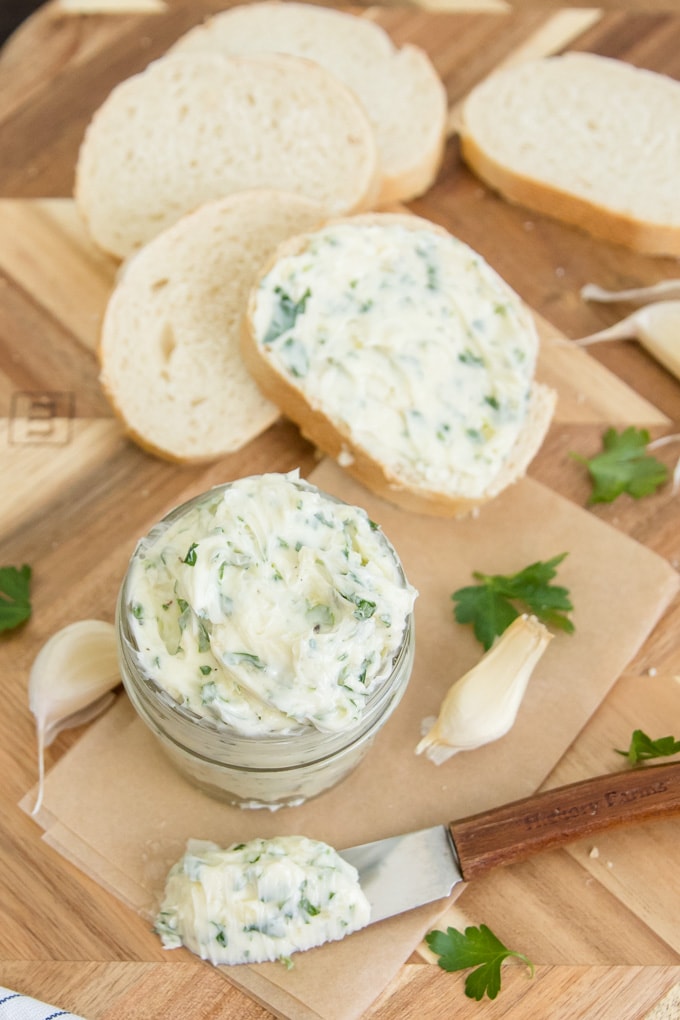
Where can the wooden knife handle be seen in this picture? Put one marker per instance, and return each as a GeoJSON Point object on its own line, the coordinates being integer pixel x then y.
{"type": "Point", "coordinates": [551, 819]}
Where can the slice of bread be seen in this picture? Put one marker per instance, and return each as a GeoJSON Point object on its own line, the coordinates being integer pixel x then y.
{"type": "Point", "coordinates": [196, 127]}
{"type": "Point", "coordinates": [399, 87]}
{"type": "Point", "coordinates": [585, 139]}
{"type": "Point", "coordinates": [401, 353]}
{"type": "Point", "coordinates": [170, 360]}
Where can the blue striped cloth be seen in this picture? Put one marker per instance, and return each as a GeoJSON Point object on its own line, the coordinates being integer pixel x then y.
{"type": "Point", "coordinates": [15, 1006]}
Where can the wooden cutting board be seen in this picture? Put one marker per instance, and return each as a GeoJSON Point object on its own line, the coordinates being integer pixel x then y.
{"type": "Point", "coordinates": [75, 494]}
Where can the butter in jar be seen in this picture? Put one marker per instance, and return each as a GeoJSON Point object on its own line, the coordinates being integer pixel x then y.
{"type": "Point", "coordinates": [265, 634]}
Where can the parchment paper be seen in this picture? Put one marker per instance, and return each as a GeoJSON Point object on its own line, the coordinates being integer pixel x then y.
{"type": "Point", "coordinates": [115, 807]}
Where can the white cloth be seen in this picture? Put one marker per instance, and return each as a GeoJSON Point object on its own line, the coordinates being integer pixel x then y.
{"type": "Point", "coordinates": [15, 1006]}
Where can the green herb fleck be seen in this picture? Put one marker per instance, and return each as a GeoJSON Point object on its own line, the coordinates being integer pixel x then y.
{"type": "Point", "coordinates": [165, 924]}
{"type": "Point", "coordinates": [467, 357]}
{"type": "Point", "coordinates": [490, 606]}
{"type": "Point", "coordinates": [308, 907]}
{"type": "Point", "coordinates": [478, 948]}
{"type": "Point", "coordinates": [190, 558]}
{"type": "Point", "coordinates": [203, 636]}
{"type": "Point", "coordinates": [249, 658]}
{"type": "Point", "coordinates": [285, 314]}
{"type": "Point", "coordinates": [642, 747]}
{"type": "Point", "coordinates": [623, 466]}
{"type": "Point", "coordinates": [209, 693]}
{"type": "Point", "coordinates": [364, 608]}
{"type": "Point", "coordinates": [15, 601]}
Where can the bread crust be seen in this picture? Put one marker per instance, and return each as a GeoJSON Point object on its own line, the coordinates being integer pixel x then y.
{"type": "Point", "coordinates": [558, 204]}
{"type": "Point", "coordinates": [584, 139]}
{"type": "Point", "coordinates": [336, 441]}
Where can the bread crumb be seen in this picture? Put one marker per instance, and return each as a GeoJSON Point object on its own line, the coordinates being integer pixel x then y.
{"type": "Point", "coordinates": [652, 671]}
{"type": "Point", "coordinates": [560, 271]}
{"type": "Point", "coordinates": [594, 853]}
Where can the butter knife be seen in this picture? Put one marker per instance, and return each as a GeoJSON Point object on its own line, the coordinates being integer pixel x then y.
{"type": "Point", "coordinates": [406, 871]}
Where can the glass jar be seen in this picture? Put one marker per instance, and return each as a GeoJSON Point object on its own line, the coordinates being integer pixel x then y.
{"type": "Point", "coordinates": [268, 769]}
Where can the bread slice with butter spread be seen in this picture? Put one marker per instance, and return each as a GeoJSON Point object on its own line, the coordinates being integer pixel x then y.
{"type": "Point", "coordinates": [169, 349]}
{"type": "Point", "coordinates": [400, 352]}
{"type": "Point", "coordinates": [196, 127]}
{"type": "Point", "coordinates": [585, 139]}
{"type": "Point", "coordinates": [398, 86]}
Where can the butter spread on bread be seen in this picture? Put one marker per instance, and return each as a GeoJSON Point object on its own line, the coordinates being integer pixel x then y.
{"type": "Point", "coordinates": [400, 351]}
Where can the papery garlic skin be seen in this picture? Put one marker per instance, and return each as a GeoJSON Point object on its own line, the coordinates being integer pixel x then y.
{"type": "Point", "coordinates": [71, 681]}
{"type": "Point", "coordinates": [482, 705]}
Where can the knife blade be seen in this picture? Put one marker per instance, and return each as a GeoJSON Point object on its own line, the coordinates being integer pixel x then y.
{"type": "Point", "coordinates": [408, 870]}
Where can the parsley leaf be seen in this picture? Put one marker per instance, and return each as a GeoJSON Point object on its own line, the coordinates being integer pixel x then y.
{"type": "Point", "coordinates": [479, 948]}
{"type": "Point", "coordinates": [491, 605]}
{"type": "Point", "coordinates": [623, 466]}
{"type": "Point", "coordinates": [643, 747]}
{"type": "Point", "coordinates": [15, 602]}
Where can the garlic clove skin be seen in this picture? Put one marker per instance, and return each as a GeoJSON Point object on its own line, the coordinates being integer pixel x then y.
{"type": "Point", "coordinates": [71, 681]}
{"type": "Point", "coordinates": [665, 289]}
{"type": "Point", "coordinates": [482, 705]}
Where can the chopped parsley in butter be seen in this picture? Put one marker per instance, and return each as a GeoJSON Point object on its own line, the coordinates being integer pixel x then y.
{"type": "Point", "coordinates": [269, 607]}
{"type": "Point", "coordinates": [411, 344]}
{"type": "Point", "coordinates": [260, 900]}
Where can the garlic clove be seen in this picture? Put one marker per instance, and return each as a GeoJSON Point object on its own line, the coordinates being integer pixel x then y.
{"type": "Point", "coordinates": [656, 326]}
{"type": "Point", "coordinates": [482, 705]}
{"type": "Point", "coordinates": [71, 681]}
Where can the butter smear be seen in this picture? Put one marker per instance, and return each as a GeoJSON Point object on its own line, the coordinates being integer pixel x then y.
{"type": "Point", "coordinates": [261, 900]}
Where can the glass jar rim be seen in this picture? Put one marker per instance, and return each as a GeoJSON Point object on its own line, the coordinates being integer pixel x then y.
{"type": "Point", "coordinates": [303, 739]}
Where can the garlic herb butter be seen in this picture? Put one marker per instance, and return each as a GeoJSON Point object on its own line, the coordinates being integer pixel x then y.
{"type": "Point", "coordinates": [269, 607]}
{"type": "Point", "coordinates": [410, 342]}
{"type": "Point", "coordinates": [261, 900]}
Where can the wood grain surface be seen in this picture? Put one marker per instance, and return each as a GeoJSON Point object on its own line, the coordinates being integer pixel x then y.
{"type": "Point", "coordinates": [599, 919]}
